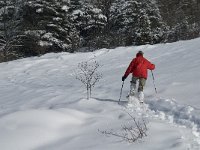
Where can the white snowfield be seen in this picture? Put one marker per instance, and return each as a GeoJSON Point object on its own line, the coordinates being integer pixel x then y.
{"type": "Point", "coordinates": [43, 106]}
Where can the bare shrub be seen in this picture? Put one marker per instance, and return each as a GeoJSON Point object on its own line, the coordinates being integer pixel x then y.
{"type": "Point", "coordinates": [88, 75]}
{"type": "Point", "coordinates": [130, 133]}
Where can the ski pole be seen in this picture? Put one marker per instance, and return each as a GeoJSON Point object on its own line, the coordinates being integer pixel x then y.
{"type": "Point", "coordinates": [154, 81]}
{"type": "Point", "coordinates": [121, 91]}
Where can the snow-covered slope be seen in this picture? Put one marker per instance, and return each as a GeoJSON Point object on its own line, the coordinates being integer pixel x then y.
{"type": "Point", "coordinates": [43, 106]}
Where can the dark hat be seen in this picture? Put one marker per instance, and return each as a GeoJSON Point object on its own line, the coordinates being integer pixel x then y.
{"type": "Point", "coordinates": [140, 52]}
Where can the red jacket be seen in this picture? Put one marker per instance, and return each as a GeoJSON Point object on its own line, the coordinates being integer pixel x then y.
{"type": "Point", "coordinates": [138, 67]}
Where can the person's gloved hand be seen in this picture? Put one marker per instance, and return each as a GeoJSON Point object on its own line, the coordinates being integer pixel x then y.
{"type": "Point", "coordinates": [123, 78]}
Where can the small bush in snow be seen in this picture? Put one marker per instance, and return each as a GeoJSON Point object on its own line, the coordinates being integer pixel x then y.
{"type": "Point", "coordinates": [88, 75]}
{"type": "Point", "coordinates": [130, 133]}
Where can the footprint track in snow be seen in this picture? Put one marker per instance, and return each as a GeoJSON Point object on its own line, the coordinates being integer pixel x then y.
{"type": "Point", "coordinates": [180, 115]}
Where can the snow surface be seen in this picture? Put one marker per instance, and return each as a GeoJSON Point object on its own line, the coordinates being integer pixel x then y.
{"type": "Point", "coordinates": [43, 106]}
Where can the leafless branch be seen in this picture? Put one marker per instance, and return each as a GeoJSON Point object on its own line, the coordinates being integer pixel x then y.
{"type": "Point", "coordinates": [88, 75]}
{"type": "Point", "coordinates": [131, 133]}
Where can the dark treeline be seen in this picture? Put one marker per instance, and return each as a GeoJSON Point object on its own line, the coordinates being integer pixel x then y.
{"type": "Point", "coordinates": [35, 27]}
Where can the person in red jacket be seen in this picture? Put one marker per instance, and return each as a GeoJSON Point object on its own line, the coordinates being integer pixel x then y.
{"type": "Point", "coordinates": [139, 68]}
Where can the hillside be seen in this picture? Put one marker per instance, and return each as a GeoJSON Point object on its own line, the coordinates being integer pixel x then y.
{"type": "Point", "coordinates": [43, 106]}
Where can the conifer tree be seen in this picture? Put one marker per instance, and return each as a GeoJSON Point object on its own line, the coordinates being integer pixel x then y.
{"type": "Point", "coordinates": [137, 21]}
{"type": "Point", "coordinates": [182, 18]}
{"type": "Point", "coordinates": [10, 29]}
{"type": "Point", "coordinates": [88, 19]}
{"type": "Point", "coordinates": [49, 25]}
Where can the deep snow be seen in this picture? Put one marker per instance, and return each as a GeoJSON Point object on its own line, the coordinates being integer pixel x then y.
{"type": "Point", "coordinates": [43, 106]}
